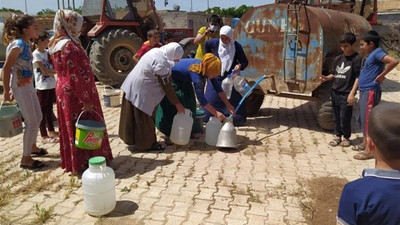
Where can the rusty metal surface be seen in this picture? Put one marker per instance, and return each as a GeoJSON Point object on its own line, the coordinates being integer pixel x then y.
{"type": "Point", "coordinates": [266, 34]}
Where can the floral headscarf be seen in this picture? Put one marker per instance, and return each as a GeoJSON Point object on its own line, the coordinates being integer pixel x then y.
{"type": "Point", "coordinates": [226, 52]}
{"type": "Point", "coordinates": [209, 65]}
{"type": "Point", "coordinates": [69, 21]}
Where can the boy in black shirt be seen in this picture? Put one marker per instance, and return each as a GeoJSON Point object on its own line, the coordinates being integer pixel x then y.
{"type": "Point", "coordinates": [346, 70]}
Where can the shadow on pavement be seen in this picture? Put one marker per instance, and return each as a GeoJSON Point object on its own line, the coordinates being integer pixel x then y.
{"type": "Point", "coordinates": [129, 166]}
{"type": "Point", "coordinates": [123, 208]}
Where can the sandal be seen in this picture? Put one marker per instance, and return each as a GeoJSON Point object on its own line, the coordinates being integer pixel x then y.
{"type": "Point", "coordinates": [168, 141]}
{"type": "Point", "coordinates": [363, 156]}
{"type": "Point", "coordinates": [345, 143]}
{"type": "Point", "coordinates": [50, 140]}
{"type": "Point", "coordinates": [41, 152]}
{"type": "Point", "coordinates": [335, 142]}
{"type": "Point", "coordinates": [358, 147]}
{"type": "Point", "coordinates": [36, 164]}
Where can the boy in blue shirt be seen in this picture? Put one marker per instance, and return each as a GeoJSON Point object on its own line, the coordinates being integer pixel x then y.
{"type": "Point", "coordinates": [374, 199]}
{"type": "Point", "coordinates": [376, 65]}
{"type": "Point", "coordinates": [345, 72]}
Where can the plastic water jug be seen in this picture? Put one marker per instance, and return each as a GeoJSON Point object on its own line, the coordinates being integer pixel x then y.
{"type": "Point", "coordinates": [240, 84]}
{"type": "Point", "coordinates": [227, 85]}
{"type": "Point", "coordinates": [181, 128]}
{"type": "Point", "coordinates": [98, 184]}
{"type": "Point", "coordinates": [213, 127]}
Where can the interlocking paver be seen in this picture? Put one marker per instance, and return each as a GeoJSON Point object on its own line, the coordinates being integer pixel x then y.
{"type": "Point", "coordinates": [258, 183]}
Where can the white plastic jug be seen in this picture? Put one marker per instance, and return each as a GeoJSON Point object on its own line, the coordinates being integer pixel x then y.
{"type": "Point", "coordinates": [240, 84]}
{"type": "Point", "coordinates": [213, 127]}
{"type": "Point", "coordinates": [181, 128]}
{"type": "Point", "coordinates": [227, 85]}
{"type": "Point", "coordinates": [98, 184]}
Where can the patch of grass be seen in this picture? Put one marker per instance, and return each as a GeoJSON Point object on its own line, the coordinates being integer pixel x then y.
{"type": "Point", "coordinates": [254, 198]}
{"type": "Point", "coordinates": [73, 184]}
{"type": "Point", "coordinates": [5, 196]}
{"type": "Point", "coordinates": [43, 214]}
{"type": "Point", "coordinates": [126, 189]}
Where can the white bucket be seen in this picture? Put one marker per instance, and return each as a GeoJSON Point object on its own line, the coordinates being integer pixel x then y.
{"type": "Point", "coordinates": [10, 121]}
{"type": "Point", "coordinates": [111, 96]}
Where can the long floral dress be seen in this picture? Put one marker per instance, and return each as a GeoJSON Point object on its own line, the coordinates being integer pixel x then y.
{"type": "Point", "coordinates": [76, 85]}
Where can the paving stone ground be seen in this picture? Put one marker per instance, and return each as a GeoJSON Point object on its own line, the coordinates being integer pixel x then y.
{"type": "Point", "coordinates": [195, 184]}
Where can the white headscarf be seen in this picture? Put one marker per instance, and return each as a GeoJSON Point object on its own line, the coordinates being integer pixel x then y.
{"type": "Point", "coordinates": [172, 51]}
{"type": "Point", "coordinates": [69, 21]}
{"type": "Point", "coordinates": [226, 52]}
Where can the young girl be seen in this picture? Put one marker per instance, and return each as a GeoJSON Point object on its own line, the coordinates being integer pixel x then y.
{"type": "Point", "coordinates": [17, 75]}
{"type": "Point", "coordinates": [45, 84]}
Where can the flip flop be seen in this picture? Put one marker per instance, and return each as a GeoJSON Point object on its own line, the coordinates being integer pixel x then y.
{"type": "Point", "coordinates": [363, 156]}
{"type": "Point", "coordinates": [41, 152]}
{"type": "Point", "coordinates": [358, 147]}
{"type": "Point", "coordinates": [36, 164]}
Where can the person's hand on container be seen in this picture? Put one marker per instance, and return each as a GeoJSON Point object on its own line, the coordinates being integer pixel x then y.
{"type": "Point", "coordinates": [180, 108]}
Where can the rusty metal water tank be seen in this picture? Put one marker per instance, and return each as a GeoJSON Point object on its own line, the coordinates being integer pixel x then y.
{"type": "Point", "coordinates": [295, 43]}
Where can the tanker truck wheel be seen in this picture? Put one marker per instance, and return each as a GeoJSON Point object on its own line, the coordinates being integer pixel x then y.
{"type": "Point", "coordinates": [254, 102]}
{"type": "Point", "coordinates": [325, 116]}
{"type": "Point", "coordinates": [188, 47]}
{"type": "Point", "coordinates": [111, 55]}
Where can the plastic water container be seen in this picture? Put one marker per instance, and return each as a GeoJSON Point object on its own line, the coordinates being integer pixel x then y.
{"type": "Point", "coordinates": [227, 85]}
{"type": "Point", "coordinates": [213, 127]}
{"type": "Point", "coordinates": [181, 128]}
{"type": "Point", "coordinates": [240, 84]}
{"type": "Point", "coordinates": [98, 184]}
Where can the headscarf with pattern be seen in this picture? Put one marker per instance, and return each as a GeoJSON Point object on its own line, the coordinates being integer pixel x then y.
{"type": "Point", "coordinates": [67, 25]}
{"type": "Point", "coordinates": [209, 65]}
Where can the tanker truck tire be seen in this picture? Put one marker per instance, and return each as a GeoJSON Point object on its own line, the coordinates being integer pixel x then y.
{"type": "Point", "coordinates": [254, 102]}
{"type": "Point", "coordinates": [111, 55]}
{"type": "Point", "coordinates": [325, 116]}
{"type": "Point", "coordinates": [188, 47]}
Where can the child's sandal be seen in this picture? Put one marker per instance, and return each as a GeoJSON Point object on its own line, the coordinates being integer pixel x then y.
{"type": "Point", "coordinates": [335, 142]}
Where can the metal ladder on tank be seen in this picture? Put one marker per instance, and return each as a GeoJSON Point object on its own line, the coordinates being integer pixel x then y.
{"type": "Point", "coordinates": [291, 38]}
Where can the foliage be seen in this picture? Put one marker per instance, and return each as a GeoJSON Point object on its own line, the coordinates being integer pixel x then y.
{"type": "Point", "coordinates": [11, 10]}
{"type": "Point", "coordinates": [232, 11]}
{"type": "Point", "coordinates": [48, 11]}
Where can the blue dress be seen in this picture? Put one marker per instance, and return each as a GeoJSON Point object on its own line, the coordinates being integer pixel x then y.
{"type": "Point", "coordinates": [186, 84]}
{"type": "Point", "coordinates": [211, 46]}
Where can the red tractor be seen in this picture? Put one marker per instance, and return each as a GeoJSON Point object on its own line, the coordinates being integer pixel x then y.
{"type": "Point", "coordinates": [114, 31]}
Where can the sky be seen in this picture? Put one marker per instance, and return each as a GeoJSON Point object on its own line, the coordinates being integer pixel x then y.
{"type": "Point", "coordinates": [34, 6]}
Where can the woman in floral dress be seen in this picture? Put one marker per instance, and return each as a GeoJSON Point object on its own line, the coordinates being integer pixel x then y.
{"type": "Point", "coordinates": [76, 91]}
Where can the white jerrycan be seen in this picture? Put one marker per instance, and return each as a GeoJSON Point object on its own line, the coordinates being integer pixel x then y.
{"type": "Point", "coordinates": [213, 127]}
{"type": "Point", "coordinates": [181, 128]}
{"type": "Point", "coordinates": [98, 184]}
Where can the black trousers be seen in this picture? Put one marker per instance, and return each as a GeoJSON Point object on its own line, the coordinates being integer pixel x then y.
{"type": "Point", "coordinates": [342, 114]}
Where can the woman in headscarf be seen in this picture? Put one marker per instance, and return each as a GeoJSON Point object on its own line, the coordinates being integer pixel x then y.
{"type": "Point", "coordinates": [185, 73]}
{"type": "Point", "coordinates": [75, 90]}
{"type": "Point", "coordinates": [232, 58]}
{"type": "Point", "coordinates": [144, 88]}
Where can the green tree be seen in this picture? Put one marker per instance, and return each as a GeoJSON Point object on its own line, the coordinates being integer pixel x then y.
{"type": "Point", "coordinates": [11, 10]}
{"type": "Point", "coordinates": [232, 11]}
{"type": "Point", "coordinates": [46, 12]}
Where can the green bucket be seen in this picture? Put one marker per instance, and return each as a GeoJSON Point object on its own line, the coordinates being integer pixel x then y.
{"type": "Point", "coordinates": [89, 133]}
{"type": "Point", "coordinates": [10, 121]}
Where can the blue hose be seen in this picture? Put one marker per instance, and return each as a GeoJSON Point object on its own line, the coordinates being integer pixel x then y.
{"type": "Point", "coordinates": [248, 92]}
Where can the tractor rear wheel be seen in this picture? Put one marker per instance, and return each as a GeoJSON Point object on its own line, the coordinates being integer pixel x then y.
{"type": "Point", "coordinates": [111, 55]}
